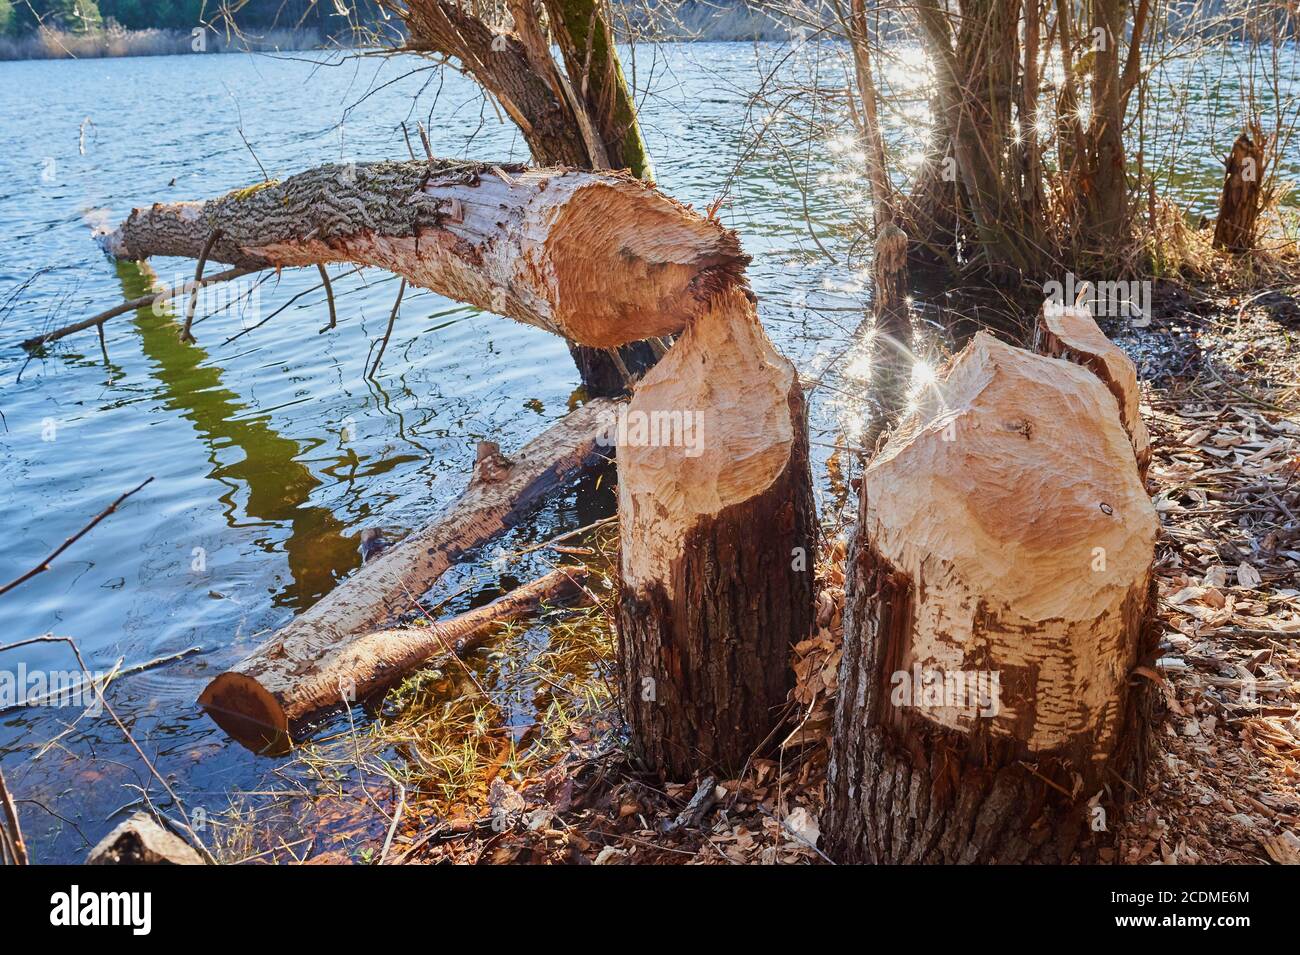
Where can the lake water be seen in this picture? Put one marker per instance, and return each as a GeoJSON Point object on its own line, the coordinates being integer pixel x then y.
{"type": "Point", "coordinates": [271, 452]}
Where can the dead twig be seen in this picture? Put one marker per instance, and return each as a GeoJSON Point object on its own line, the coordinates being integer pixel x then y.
{"type": "Point", "coordinates": [143, 301]}
{"type": "Point", "coordinates": [13, 832]}
{"type": "Point", "coordinates": [392, 317]}
{"type": "Point", "coordinates": [198, 279]}
{"type": "Point", "coordinates": [45, 564]}
{"type": "Point", "coordinates": [329, 293]}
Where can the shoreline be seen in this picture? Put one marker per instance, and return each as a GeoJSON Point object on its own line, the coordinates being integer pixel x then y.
{"type": "Point", "coordinates": [698, 23]}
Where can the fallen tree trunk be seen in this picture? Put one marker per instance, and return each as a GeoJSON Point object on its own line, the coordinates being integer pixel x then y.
{"type": "Point", "coordinates": [717, 521]}
{"type": "Point", "coordinates": [260, 703]}
{"type": "Point", "coordinates": [601, 259]}
{"type": "Point", "coordinates": [1239, 203]}
{"type": "Point", "coordinates": [1070, 333]}
{"type": "Point", "coordinates": [500, 492]}
{"type": "Point", "coordinates": [998, 589]}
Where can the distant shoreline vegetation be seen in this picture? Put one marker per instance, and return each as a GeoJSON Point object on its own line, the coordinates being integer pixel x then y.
{"type": "Point", "coordinates": [88, 29]}
{"type": "Point", "coordinates": [47, 43]}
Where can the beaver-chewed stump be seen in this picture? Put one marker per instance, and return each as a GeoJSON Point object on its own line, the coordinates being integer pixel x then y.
{"type": "Point", "coordinates": [998, 592]}
{"type": "Point", "coordinates": [1070, 332]}
{"type": "Point", "coordinates": [1240, 202]}
{"type": "Point", "coordinates": [717, 520]}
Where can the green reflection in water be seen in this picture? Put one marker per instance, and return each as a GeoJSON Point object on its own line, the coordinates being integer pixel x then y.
{"type": "Point", "coordinates": [318, 550]}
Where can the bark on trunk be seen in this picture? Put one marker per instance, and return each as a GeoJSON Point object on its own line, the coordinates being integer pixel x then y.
{"type": "Point", "coordinates": [595, 75]}
{"type": "Point", "coordinates": [263, 701]}
{"type": "Point", "coordinates": [499, 494]}
{"type": "Point", "coordinates": [891, 353]}
{"type": "Point", "coordinates": [717, 523]}
{"type": "Point", "coordinates": [1239, 203]}
{"type": "Point", "coordinates": [1070, 333]}
{"type": "Point", "coordinates": [1107, 191]}
{"type": "Point", "coordinates": [996, 606]}
{"type": "Point", "coordinates": [976, 55]}
{"type": "Point", "coordinates": [504, 65]}
{"type": "Point", "coordinates": [599, 258]}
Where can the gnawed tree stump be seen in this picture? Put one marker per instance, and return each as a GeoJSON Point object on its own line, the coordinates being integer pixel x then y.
{"type": "Point", "coordinates": [1069, 332]}
{"type": "Point", "coordinates": [717, 520]}
{"type": "Point", "coordinates": [260, 703]}
{"type": "Point", "coordinates": [601, 259]}
{"type": "Point", "coordinates": [1239, 203]}
{"type": "Point", "coordinates": [500, 493]}
{"type": "Point", "coordinates": [997, 596]}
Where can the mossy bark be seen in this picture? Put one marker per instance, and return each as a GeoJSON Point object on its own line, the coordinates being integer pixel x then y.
{"type": "Point", "coordinates": [586, 42]}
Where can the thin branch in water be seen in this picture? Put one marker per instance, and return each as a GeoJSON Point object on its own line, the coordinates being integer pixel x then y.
{"type": "Point", "coordinates": [329, 293]}
{"type": "Point", "coordinates": [45, 564]}
{"type": "Point", "coordinates": [392, 317]}
{"type": "Point", "coordinates": [198, 278]}
{"type": "Point", "coordinates": [153, 770]}
{"type": "Point", "coordinates": [134, 304]}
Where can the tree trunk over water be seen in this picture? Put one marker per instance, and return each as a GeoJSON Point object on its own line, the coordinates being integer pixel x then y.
{"type": "Point", "coordinates": [717, 545]}
{"type": "Point", "coordinates": [997, 598]}
{"type": "Point", "coordinates": [599, 258]}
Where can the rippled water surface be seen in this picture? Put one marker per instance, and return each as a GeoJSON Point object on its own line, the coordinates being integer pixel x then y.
{"type": "Point", "coordinates": [271, 451]}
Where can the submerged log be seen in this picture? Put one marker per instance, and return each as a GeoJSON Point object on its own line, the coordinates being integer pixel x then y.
{"type": "Point", "coordinates": [1239, 203]}
{"type": "Point", "coordinates": [1070, 332]}
{"type": "Point", "coordinates": [260, 703]}
{"type": "Point", "coordinates": [717, 521]}
{"type": "Point", "coordinates": [602, 259]}
{"type": "Point", "coordinates": [500, 493]}
{"type": "Point", "coordinates": [999, 585]}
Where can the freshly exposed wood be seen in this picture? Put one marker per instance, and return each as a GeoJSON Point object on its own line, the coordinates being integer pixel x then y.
{"type": "Point", "coordinates": [260, 703]}
{"type": "Point", "coordinates": [599, 258]}
{"type": "Point", "coordinates": [717, 522]}
{"type": "Point", "coordinates": [1069, 332]}
{"type": "Point", "coordinates": [499, 494]}
{"type": "Point", "coordinates": [1239, 203]}
{"type": "Point", "coordinates": [997, 598]}
{"type": "Point", "coordinates": [141, 841]}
